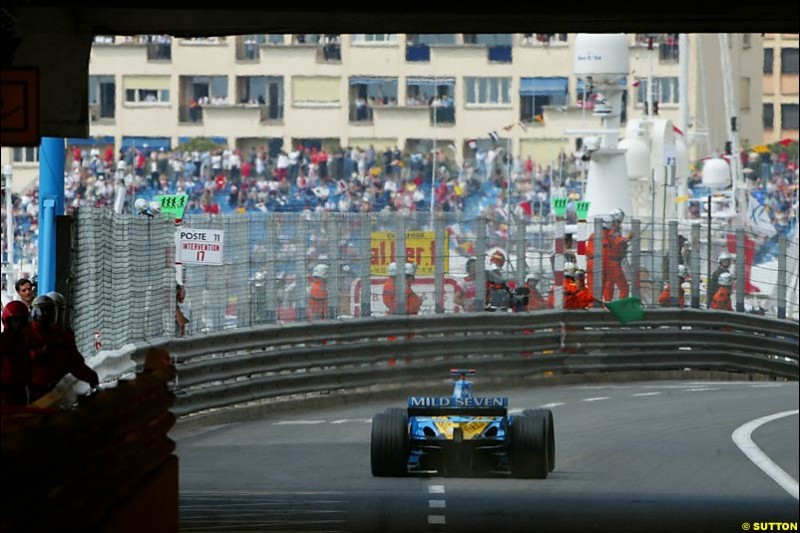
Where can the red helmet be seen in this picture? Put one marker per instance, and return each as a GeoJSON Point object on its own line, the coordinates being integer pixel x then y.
{"type": "Point", "coordinates": [14, 309]}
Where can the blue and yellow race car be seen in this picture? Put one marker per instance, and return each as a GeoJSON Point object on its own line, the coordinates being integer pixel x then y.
{"type": "Point", "coordinates": [462, 434]}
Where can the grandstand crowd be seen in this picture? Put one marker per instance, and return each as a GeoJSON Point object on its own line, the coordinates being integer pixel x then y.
{"type": "Point", "coordinates": [353, 179]}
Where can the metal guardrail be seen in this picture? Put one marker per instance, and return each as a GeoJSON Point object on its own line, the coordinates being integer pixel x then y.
{"type": "Point", "coordinates": [237, 367]}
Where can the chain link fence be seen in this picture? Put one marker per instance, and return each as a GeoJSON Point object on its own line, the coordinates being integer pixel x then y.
{"type": "Point", "coordinates": [123, 279]}
{"type": "Point", "coordinates": [124, 276]}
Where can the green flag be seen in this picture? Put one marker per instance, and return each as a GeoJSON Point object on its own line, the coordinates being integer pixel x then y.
{"type": "Point", "coordinates": [560, 206]}
{"type": "Point", "coordinates": [626, 310]}
{"type": "Point", "coordinates": [582, 209]}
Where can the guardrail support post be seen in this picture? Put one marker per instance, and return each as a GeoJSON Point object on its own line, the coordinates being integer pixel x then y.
{"type": "Point", "coordinates": [520, 234]}
{"type": "Point", "coordinates": [480, 259]}
{"type": "Point", "coordinates": [695, 266]}
{"type": "Point", "coordinates": [740, 264]}
{"type": "Point", "coordinates": [782, 245]}
{"type": "Point", "coordinates": [438, 267]}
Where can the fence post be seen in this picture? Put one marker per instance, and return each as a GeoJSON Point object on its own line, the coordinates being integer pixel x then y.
{"type": "Point", "coordinates": [558, 263]}
{"type": "Point", "coordinates": [365, 265]}
{"type": "Point", "coordinates": [335, 222]}
{"type": "Point", "coordinates": [480, 264]}
{"type": "Point", "coordinates": [301, 276]}
{"type": "Point", "coordinates": [673, 263]}
{"type": "Point", "coordinates": [400, 261]}
{"type": "Point", "coordinates": [782, 246]}
{"type": "Point", "coordinates": [599, 253]}
{"type": "Point", "coordinates": [438, 267]}
{"type": "Point", "coordinates": [271, 247]}
{"type": "Point", "coordinates": [740, 264]}
{"type": "Point", "coordinates": [695, 266]}
{"type": "Point", "coordinates": [636, 258]}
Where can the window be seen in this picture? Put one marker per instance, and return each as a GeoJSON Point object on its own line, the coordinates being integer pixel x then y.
{"type": "Point", "coordinates": [769, 116]}
{"type": "Point", "coordinates": [488, 91]}
{"type": "Point", "coordinates": [306, 38]}
{"type": "Point", "coordinates": [769, 60]}
{"type": "Point", "coordinates": [665, 90]}
{"type": "Point", "coordinates": [535, 93]}
{"type": "Point", "coordinates": [146, 89]}
{"type": "Point", "coordinates": [28, 154]}
{"type": "Point", "coordinates": [431, 39]}
{"type": "Point", "coordinates": [789, 61]}
{"type": "Point", "coordinates": [789, 117]}
{"type": "Point", "coordinates": [489, 39]}
{"type": "Point", "coordinates": [746, 41]}
{"type": "Point", "coordinates": [275, 38]}
{"type": "Point", "coordinates": [263, 91]}
{"type": "Point", "coordinates": [362, 38]}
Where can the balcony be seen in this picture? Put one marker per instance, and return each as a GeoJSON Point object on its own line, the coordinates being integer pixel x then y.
{"type": "Point", "coordinates": [160, 50]}
{"type": "Point", "coordinates": [330, 51]}
{"type": "Point", "coordinates": [442, 116]}
{"type": "Point", "coordinates": [361, 113]}
{"type": "Point", "coordinates": [668, 52]}
{"type": "Point", "coordinates": [190, 115]}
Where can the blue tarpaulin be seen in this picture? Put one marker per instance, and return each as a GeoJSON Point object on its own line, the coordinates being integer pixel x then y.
{"type": "Point", "coordinates": [418, 53]}
{"type": "Point", "coordinates": [430, 81]}
{"type": "Point", "coordinates": [370, 80]}
{"type": "Point", "coordinates": [90, 141]}
{"type": "Point", "coordinates": [543, 86]}
{"type": "Point", "coordinates": [213, 139]}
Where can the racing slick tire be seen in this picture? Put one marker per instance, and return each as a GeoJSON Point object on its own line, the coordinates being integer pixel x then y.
{"type": "Point", "coordinates": [389, 445]}
{"type": "Point", "coordinates": [398, 412]}
{"type": "Point", "coordinates": [551, 437]}
{"type": "Point", "coordinates": [529, 438]}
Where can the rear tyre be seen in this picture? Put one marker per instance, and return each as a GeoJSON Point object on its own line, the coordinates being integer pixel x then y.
{"type": "Point", "coordinates": [551, 438]}
{"type": "Point", "coordinates": [529, 447]}
{"type": "Point", "coordinates": [389, 445]}
{"type": "Point", "coordinates": [396, 412]}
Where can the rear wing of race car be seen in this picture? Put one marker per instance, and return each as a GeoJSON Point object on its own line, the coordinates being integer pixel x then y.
{"type": "Point", "coordinates": [445, 406]}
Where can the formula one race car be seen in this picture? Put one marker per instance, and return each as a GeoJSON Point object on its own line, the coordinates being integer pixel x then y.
{"type": "Point", "coordinates": [462, 434]}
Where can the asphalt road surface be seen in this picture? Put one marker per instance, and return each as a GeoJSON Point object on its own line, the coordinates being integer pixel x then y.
{"type": "Point", "coordinates": [651, 456]}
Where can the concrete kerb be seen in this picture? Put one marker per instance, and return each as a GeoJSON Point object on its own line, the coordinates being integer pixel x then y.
{"type": "Point", "coordinates": [257, 410]}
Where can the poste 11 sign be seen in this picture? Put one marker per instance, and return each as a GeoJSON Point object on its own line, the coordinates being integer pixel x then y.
{"type": "Point", "coordinates": [199, 246]}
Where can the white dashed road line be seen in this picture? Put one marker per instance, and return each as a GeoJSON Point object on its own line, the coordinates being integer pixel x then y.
{"type": "Point", "coordinates": [745, 443]}
{"type": "Point", "coordinates": [298, 422]}
{"type": "Point", "coordinates": [549, 405]}
{"type": "Point", "coordinates": [595, 399]}
{"type": "Point", "coordinates": [345, 420]}
{"type": "Point", "coordinates": [646, 394]}
{"type": "Point", "coordinates": [438, 519]}
{"type": "Point", "coordinates": [701, 389]}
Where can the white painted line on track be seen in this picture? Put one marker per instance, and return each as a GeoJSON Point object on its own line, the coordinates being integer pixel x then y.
{"type": "Point", "coordinates": [437, 504]}
{"type": "Point", "coordinates": [700, 389]}
{"type": "Point", "coordinates": [766, 385]}
{"type": "Point", "coordinates": [599, 398]}
{"type": "Point", "coordinates": [549, 405]}
{"type": "Point", "coordinates": [436, 519]}
{"type": "Point", "coordinates": [646, 394]}
{"type": "Point", "coordinates": [436, 489]}
{"type": "Point", "coordinates": [741, 437]}
{"type": "Point", "coordinates": [345, 420]}
{"type": "Point", "coordinates": [297, 422]}
{"type": "Point", "coordinates": [514, 411]}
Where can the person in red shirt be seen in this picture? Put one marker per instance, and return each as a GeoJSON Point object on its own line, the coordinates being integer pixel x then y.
{"type": "Point", "coordinates": [323, 164]}
{"type": "Point", "coordinates": [52, 357]}
{"type": "Point", "coordinates": [15, 376]}
{"type": "Point", "coordinates": [722, 299]}
{"type": "Point", "coordinates": [76, 154]}
{"type": "Point", "coordinates": [665, 299]}
{"type": "Point", "coordinates": [109, 156]}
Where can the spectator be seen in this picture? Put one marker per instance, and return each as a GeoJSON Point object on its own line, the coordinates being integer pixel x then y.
{"type": "Point", "coordinates": [180, 317]}
{"type": "Point", "coordinates": [536, 301]}
{"type": "Point", "coordinates": [15, 354]}
{"type": "Point", "coordinates": [24, 288]}
{"type": "Point", "coordinates": [665, 299]}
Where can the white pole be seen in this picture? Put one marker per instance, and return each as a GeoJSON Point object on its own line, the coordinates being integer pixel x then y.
{"type": "Point", "coordinates": [7, 173]}
{"type": "Point", "coordinates": [683, 96]}
{"type": "Point", "coordinates": [433, 151]}
{"type": "Point", "coordinates": [650, 77]}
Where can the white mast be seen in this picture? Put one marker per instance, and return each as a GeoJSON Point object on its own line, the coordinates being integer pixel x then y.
{"type": "Point", "coordinates": [683, 97]}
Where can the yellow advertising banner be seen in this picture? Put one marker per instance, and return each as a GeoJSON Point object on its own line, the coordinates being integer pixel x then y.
{"type": "Point", "coordinates": [420, 250]}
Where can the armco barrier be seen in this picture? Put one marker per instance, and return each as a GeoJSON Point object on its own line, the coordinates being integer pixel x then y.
{"type": "Point", "coordinates": [230, 369]}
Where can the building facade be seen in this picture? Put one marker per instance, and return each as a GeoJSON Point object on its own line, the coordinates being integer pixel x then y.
{"type": "Point", "coordinates": [781, 86]}
{"type": "Point", "coordinates": [411, 91]}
